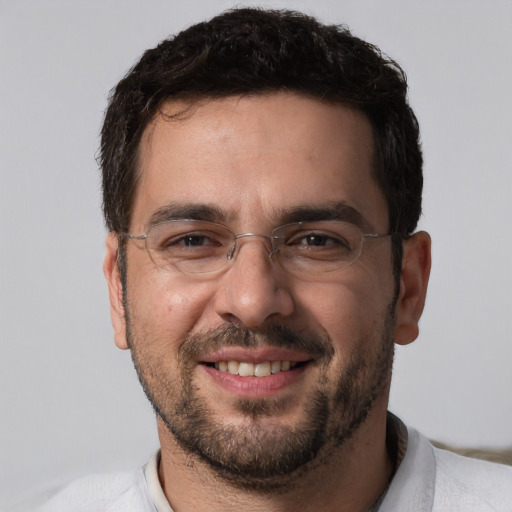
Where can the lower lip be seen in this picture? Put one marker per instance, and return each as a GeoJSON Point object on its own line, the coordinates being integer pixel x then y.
{"type": "Point", "coordinates": [254, 387]}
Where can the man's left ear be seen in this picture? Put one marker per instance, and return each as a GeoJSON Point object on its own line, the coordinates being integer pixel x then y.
{"type": "Point", "coordinates": [413, 286]}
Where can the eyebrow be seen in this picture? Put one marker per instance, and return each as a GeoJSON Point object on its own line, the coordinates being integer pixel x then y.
{"type": "Point", "coordinates": [325, 211]}
{"type": "Point", "coordinates": [180, 211]}
{"type": "Point", "coordinates": [301, 213]}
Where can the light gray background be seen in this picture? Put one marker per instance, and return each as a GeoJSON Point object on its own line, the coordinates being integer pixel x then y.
{"type": "Point", "coordinates": [70, 402]}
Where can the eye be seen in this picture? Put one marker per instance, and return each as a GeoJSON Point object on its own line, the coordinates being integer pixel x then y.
{"type": "Point", "coordinates": [318, 239]}
{"type": "Point", "coordinates": [191, 240]}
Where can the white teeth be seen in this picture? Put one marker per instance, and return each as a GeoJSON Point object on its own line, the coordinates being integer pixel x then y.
{"type": "Point", "coordinates": [275, 366]}
{"type": "Point", "coordinates": [262, 370]}
{"type": "Point", "coordinates": [233, 367]}
{"type": "Point", "coordinates": [254, 370]}
{"type": "Point", "coordinates": [246, 370]}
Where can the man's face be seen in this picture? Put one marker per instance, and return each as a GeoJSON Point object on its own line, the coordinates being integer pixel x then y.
{"type": "Point", "coordinates": [249, 163]}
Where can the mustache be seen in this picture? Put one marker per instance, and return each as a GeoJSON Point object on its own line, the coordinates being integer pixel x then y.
{"type": "Point", "coordinates": [198, 345]}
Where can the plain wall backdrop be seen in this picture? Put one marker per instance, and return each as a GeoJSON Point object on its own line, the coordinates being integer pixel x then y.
{"type": "Point", "coordinates": [70, 401]}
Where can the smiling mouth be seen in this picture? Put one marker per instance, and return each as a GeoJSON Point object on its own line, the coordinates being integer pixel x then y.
{"type": "Point", "coordinates": [264, 369]}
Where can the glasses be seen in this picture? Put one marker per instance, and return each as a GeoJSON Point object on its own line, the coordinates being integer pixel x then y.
{"type": "Point", "coordinates": [200, 247]}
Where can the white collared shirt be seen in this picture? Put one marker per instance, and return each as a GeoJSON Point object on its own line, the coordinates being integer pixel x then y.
{"type": "Point", "coordinates": [428, 479]}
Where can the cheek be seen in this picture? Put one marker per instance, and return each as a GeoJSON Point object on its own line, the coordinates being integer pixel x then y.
{"type": "Point", "coordinates": [166, 306]}
{"type": "Point", "coordinates": [352, 311]}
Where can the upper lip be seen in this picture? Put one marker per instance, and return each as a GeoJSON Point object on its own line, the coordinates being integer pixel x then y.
{"type": "Point", "coordinates": [255, 356]}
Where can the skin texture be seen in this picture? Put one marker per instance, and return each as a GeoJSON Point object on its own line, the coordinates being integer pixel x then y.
{"type": "Point", "coordinates": [253, 159]}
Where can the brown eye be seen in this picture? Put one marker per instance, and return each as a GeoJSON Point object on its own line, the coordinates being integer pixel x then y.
{"type": "Point", "coordinates": [194, 240]}
{"type": "Point", "coordinates": [318, 240]}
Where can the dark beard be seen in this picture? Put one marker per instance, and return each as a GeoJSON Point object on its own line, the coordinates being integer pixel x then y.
{"type": "Point", "coordinates": [259, 455]}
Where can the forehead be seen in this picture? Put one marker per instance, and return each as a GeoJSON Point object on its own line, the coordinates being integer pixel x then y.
{"type": "Point", "coordinates": [254, 157]}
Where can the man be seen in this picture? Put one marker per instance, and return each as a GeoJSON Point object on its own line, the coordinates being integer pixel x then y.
{"type": "Point", "coordinates": [262, 184]}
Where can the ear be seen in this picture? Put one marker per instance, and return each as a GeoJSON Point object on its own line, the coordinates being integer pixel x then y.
{"type": "Point", "coordinates": [413, 287]}
{"type": "Point", "coordinates": [115, 291]}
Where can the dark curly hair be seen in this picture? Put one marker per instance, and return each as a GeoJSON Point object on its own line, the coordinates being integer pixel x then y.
{"type": "Point", "coordinates": [256, 51]}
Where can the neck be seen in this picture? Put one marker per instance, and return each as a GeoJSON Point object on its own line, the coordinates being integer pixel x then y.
{"type": "Point", "coordinates": [342, 479]}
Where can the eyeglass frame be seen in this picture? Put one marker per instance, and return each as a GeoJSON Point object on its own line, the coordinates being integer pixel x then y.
{"type": "Point", "coordinates": [230, 255]}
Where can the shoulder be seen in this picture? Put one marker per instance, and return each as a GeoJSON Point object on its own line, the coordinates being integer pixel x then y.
{"type": "Point", "coordinates": [434, 480]}
{"type": "Point", "coordinates": [471, 482]}
{"type": "Point", "coordinates": [107, 492]}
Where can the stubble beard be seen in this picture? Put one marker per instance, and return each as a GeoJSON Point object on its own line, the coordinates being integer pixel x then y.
{"type": "Point", "coordinates": [260, 454]}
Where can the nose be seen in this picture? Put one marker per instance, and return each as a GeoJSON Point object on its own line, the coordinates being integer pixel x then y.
{"type": "Point", "coordinates": [253, 289]}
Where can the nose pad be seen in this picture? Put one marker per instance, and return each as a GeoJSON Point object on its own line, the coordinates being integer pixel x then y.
{"type": "Point", "coordinates": [233, 250]}
{"type": "Point", "coordinates": [272, 255]}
